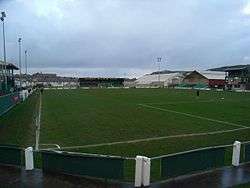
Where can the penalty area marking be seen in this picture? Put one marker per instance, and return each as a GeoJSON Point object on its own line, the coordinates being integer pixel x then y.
{"type": "Point", "coordinates": [153, 139]}
{"type": "Point", "coordinates": [196, 101]}
{"type": "Point", "coordinates": [186, 102]}
{"type": "Point", "coordinates": [193, 116]}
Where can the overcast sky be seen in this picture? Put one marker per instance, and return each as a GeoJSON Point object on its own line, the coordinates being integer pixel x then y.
{"type": "Point", "coordinates": [124, 37]}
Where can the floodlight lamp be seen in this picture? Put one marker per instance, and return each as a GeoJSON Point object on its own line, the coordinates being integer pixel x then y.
{"type": "Point", "coordinates": [158, 59]}
{"type": "Point", "coordinates": [3, 14]}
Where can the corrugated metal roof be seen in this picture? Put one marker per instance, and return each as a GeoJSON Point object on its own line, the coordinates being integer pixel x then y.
{"type": "Point", "coordinates": [213, 75]}
{"type": "Point", "coordinates": [150, 78]}
{"type": "Point", "coordinates": [9, 65]}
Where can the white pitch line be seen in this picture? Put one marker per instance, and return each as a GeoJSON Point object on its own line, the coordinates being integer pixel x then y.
{"type": "Point", "coordinates": [193, 116]}
{"type": "Point", "coordinates": [58, 147]}
{"type": "Point", "coordinates": [153, 139]}
{"type": "Point", "coordinates": [38, 123]}
{"type": "Point", "coordinates": [197, 101]}
{"type": "Point", "coordinates": [185, 102]}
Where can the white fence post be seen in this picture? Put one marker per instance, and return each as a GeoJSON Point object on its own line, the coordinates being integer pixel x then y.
{"type": "Point", "coordinates": [29, 160]}
{"type": "Point", "coordinates": [146, 171]}
{"type": "Point", "coordinates": [236, 153]}
{"type": "Point", "coordinates": [142, 171]}
{"type": "Point", "coordinates": [138, 171]}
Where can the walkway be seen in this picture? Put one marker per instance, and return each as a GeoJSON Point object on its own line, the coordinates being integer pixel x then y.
{"type": "Point", "coordinates": [226, 177]}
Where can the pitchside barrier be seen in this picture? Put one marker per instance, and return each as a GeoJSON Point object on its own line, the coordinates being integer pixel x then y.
{"type": "Point", "coordinates": [112, 167]}
{"type": "Point", "coordinates": [83, 164]}
{"type": "Point", "coordinates": [8, 101]}
{"type": "Point", "coordinates": [11, 155]}
{"type": "Point", "coordinates": [246, 146]}
{"type": "Point", "coordinates": [192, 161]}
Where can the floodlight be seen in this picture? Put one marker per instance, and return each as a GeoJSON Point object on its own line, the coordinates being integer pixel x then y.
{"type": "Point", "coordinates": [158, 59]}
{"type": "Point", "coordinates": [3, 14]}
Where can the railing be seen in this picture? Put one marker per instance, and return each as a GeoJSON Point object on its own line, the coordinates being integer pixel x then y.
{"type": "Point", "coordinates": [11, 155]}
{"type": "Point", "coordinates": [99, 166]}
{"type": "Point", "coordinates": [189, 162]}
{"type": "Point", "coordinates": [8, 101]}
{"type": "Point", "coordinates": [114, 167]}
{"type": "Point", "coordinates": [246, 151]}
{"type": "Point", "coordinates": [192, 161]}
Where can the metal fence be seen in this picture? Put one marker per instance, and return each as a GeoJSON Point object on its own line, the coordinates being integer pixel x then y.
{"type": "Point", "coordinates": [115, 167]}
{"type": "Point", "coordinates": [107, 167]}
{"type": "Point", "coordinates": [247, 153]}
{"type": "Point", "coordinates": [192, 161]}
{"type": "Point", "coordinates": [246, 150]}
{"type": "Point", "coordinates": [11, 155]}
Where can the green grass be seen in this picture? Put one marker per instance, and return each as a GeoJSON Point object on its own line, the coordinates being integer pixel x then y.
{"type": "Point", "coordinates": [17, 126]}
{"type": "Point", "coordinates": [80, 117]}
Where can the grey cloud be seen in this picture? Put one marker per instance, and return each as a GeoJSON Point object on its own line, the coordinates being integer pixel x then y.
{"type": "Point", "coordinates": [118, 36]}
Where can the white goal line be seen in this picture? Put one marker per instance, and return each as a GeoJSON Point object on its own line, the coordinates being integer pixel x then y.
{"type": "Point", "coordinates": [153, 139]}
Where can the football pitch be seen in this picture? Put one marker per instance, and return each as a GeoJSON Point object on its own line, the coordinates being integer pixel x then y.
{"type": "Point", "coordinates": [129, 122]}
{"type": "Point", "coordinates": [150, 122]}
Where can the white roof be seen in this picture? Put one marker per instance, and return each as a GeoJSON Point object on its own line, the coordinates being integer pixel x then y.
{"type": "Point", "coordinates": [150, 78]}
{"type": "Point", "coordinates": [213, 75]}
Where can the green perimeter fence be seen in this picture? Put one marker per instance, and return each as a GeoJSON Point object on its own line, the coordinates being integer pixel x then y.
{"type": "Point", "coordinates": [142, 170]}
{"type": "Point", "coordinates": [185, 163]}
{"type": "Point", "coordinates": [11, 155]}
{"type": "Point", "coordinates": [83, 164]}
{"type": "Point", "coordinates": [8, 101]}
{"type": "Point", "coordinates": [246, 152]}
